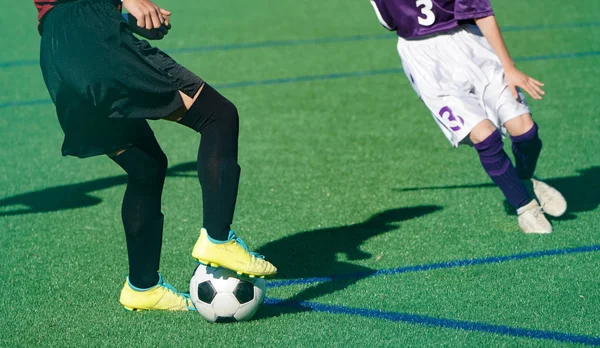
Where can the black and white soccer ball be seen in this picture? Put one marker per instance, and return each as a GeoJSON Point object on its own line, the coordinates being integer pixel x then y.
{"type": "Point", "coordinates": [221, 295]}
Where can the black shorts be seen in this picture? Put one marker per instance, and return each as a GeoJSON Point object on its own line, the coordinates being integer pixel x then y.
{"type": "Point", "coordinates": [105, 83]}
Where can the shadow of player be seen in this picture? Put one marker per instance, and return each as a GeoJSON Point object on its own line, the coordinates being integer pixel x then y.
{"type": "Point", "coordinates": [316, 253]}
{"type": "Point", "coordinates": [74, 195]}
{"type": "Point", "coordinates": [581, 191]}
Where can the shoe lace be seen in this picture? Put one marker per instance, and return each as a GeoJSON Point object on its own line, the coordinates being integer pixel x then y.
{"type": "Point", "coordinates": [170, 288]}
{"type": "Point", "coordinates": [233, 236]}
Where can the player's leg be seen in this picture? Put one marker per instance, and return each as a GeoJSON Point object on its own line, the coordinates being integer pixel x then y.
{"type": "Point", "coordinates": [158, 88]}
{"type": "Point", "coordinates": [460, 115]}
{"type": "Point", "coordinates": [146, 168]}
{"type": "Point", "coordinates": [526, 144]}
{"type": "Point", "coordinates": [526, 147]}
{"type": "Point", "coordinates": [217, 120]}
{"type": "Point", "coordinates": [142, 83]}
{"type": "Point", "coordinates": [487, 140]}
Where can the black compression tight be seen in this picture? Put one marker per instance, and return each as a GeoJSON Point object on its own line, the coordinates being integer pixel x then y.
{"type": "Point", "coordinates": [146, 167]}
{"type": "Point", "coordinates": [216, 119]}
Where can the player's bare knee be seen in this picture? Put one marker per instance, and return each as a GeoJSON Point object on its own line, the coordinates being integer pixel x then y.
{"type": "Point", "coordinates": [189, 101]}
{"type": "Point", "coordinates": [187, 104]}
{"type": "Point", "coordinates": [210, 108]}
{"type": "Point", "coordinates": [519, 125]}
{"type": "Point", "coordinates": [482, 131]}
{"type": "Point", "coordinates": [116, 153]}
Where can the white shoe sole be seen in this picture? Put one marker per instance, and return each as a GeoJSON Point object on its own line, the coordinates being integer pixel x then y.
{"type": "Point", "coordinates": [552, 202]}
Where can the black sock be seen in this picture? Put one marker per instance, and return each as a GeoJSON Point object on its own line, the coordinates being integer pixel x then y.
{"type": "Point", "coordinates": [216, 119]}
{"type": "Point", "coordinates": [141, 213]}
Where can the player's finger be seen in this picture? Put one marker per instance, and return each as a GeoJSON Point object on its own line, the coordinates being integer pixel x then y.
{"type": "Point", "coordinates": [159, 14]}
{"type": "Point", "coordinates": [513, 90]}
{"type": "Point", "coordinates": [524, 87]}
{"type": "Point", "coordinates": [536, 88]}
{"type": "Point", "coordinates": [156, 19]}
{"type": "Point", "coordinates": [141, 22]}
{"type": "Point", "coordinates": [532, 92]}
{"type": "Point", "coordinates": [148, 21]}
{"type": "Point", "coordinates": [537, 82]}
{"type": "Point", "coordinates": [165, 12]}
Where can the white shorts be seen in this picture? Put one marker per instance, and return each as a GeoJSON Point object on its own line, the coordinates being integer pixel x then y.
{"type": "Point", "coordinates": [460, 79]}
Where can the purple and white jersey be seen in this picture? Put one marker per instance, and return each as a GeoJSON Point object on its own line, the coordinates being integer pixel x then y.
{"type": "Point", "coordinates": [415, 18]}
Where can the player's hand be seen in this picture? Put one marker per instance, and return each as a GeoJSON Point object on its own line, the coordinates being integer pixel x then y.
{"type": "Point", "coordinates": [516, 78]}
{"type": "Point", "coordinates": [148, 14]}
{"type": "Point", "coordinates": [152, 34]}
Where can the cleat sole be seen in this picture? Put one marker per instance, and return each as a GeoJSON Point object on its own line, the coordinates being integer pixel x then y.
{"type": "Point", "coordinates": [208, 263]}
{"type": "Point", "coordinates": [212, 264]}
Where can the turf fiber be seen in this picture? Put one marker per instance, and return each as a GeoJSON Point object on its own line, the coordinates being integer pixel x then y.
{"type": "Point", "coordinates": [399, 239]}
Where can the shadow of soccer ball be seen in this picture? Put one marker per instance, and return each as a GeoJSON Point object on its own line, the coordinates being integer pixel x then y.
{"type": "Point", "coordinates": [221, 295]}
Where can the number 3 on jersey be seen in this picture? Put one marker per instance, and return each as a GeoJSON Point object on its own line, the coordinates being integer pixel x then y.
{"type": "Point", "coordinates": [426, 11]}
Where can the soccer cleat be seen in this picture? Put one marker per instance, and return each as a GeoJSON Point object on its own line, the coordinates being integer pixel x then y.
{"type": "Point", "coordinates": [232, 254]}
{"type": "Point", "coordinates": [161, 296]}
{"type": "Point", "coordinates": [553, 203]}
{"type": "Point", "coordinates": [532, 219]}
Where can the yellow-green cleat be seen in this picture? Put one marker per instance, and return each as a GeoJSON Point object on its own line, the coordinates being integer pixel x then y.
{"type": "Point", "coordinates": [162, 296]}
{"type": "Point", "coordinates": [232, 254]}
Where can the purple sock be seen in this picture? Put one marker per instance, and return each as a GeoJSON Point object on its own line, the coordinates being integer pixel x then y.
{"type": "Point", "coordinates": [498, 166]}
{"type": "Point", "coordinates": [526, 148]}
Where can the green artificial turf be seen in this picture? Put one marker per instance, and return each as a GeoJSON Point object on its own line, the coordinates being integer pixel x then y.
{"type": "Point", "coordinates": [344, 172]}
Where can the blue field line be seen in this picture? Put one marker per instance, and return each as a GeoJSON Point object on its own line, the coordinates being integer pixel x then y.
{"type": "Point", "coordinates": [26, 103]}
{"type": "Point", "coordinates": [337, 39]}
{"type": "Point", "coordinates": [439, 322]}
{"type": "Point", "coordinates": [280, 43]}
{"type": "Point", "coordinates": [19, 63]}
{"type": "Point", "coordinates": [309, 78]}
{"type": "Point", "coordinates": [301, 42]}
{"type": "Point", "coordinates": [517, 28]}
{"type": "Point", "coordinates": [558, 56]}
{"type": "Point", "coordinates": [297, 79]}
{"type": "Point", "coordinates": [436, 266]}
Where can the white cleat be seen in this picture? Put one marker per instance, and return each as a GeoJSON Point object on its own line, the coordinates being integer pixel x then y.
{"type": "Point", "coordinates": [553, 203]}
{"type": "Point", "coordinates": [532, 219]}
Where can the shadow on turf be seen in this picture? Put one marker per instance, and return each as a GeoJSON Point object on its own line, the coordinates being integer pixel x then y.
{"type": "Point", "coordinates": [582, 191]}
{"type": "Point", "coordinates": [314, 253]}
{"type": "Point", "coordinates": [75, 195]}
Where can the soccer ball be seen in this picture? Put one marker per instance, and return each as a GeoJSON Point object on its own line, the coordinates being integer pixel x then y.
{"type": "Point", "coordinates": [220, 295]}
